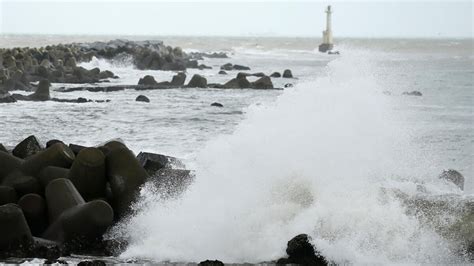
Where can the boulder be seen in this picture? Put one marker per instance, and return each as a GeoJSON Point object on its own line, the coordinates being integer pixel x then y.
{"type": "Point", "coordinates": [8, 164]}
{"type": "Point", "coordinates": [240, 82]}
{"type": "Point", "coordinates": [275, 75]}
{"type": "Point", "coordinates": [287, 74]}
{"type": "Point", "coordinates": [142, 98]}
{"type": "Point", "coordinates": [57, 155]}
{"type": "Point", "coordinates": [14, 230]}
{"type": "Point", "coordinates": [197, 81]}
{"type": "Point", "coordinates": [153, 162]}
{"type": "Point", "coordinates": [147, 80]}
{"type": "Point", "coordinates": [178, 79]}
{"type": "Point", "coordinates": [412, 93]}
{"type": "Point", "coordinates": [42, 92]}
{"type": "Point", "coordinates": [300, 251]}
{"type": "Point", "coordinates": [453, 176]}
{"type": "Point", "coordinates": [217, 104]}
{"type": "Point", "coordinates": [7, 98]}
{"type": "Point", "coordinates": [27, 147]}
{"type": "Point", "coordinates": [7, 195]}
{"type": "Point", "coordinates": [227, 67]}
{"type": "Point", "coordinates": [211, 263]}
{"type": "Point", "coordinates": [263, 83]}
{"type": "Point", "coordinates": [126, 175]}
{"type": "Point", "coordinates": [222, 72]}
{"type": "Point", "coordinates": [88, 175]}
{"type": "Point", "coordinates": [240, 67]}
{"type": "Point", "coordinates": [34, 209]}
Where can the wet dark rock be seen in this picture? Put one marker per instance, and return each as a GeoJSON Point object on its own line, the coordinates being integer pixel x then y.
{"type": "Point", "coordinates": [275, 75]}
{"type": "Point", "coordinates": [23, 184]}
{"type": "Point", "coordinates": [7, 98]}
{"type": "Point", "coordinates": [209, 55]}
{"type": "Point", "coordinates": [288, 85]}
{"type": "Point", "coordinates": [244, 74]}
{"type": "Point", "coordinates": [263, 83]}
{"type": "Point", "coordinates": [453, 176]}
{"type": "Point", "coordinates": [75, 148]}
{"type": "Point", "coordinates": [222, 72]}
{"type": "Point", "coordinates": [51, 173]}
{"type": "Point", "coordinates": [7, 195]}
{"type": "Point", "coordinates": [412, 93]}
{"type": "Point", "coordinates": [217, 104]}
{"type": "Point", "coordinates": [300, 251]}
{"type": "Point", "coordinates": [240, 67]}
{"type": "Point", "coordinates": [239, 82]}
{"type": "Point", "coordinates": [92, 263]}
{"type": "Point", "coordinates": [202, 66]}
{"type": "Point", "coordinates": [287, 74]}
{"type": "Point", "coordinates": [14, 230]}
{"type": "Point", "coordinates": [178, 79]}
{"type": "Point", "coordinates": [147, 80]}
{"type": "Point", "coordinates": [52, 142]}
{"type": "Point", "coordinates": [34, 209]}
{"type": "Point", "coordinates": [88, 175]}
{"type": "Point", "coordinates": [197, 81]}
{"type": "Point", "coordinates": [227, 67]}
{"type": "Point", "coordinates": [211, 263]}
{"type": "Point", "coordinates": [142, 98]}
{"type": "Point", "coordinates": [2, 148]}
{"type": "Point", "coordinates": [57, 155]}
{"type": "Point", "coordinates": [153, 162]}
{"type": "Point", "coordinates": [171, 182]}
{"type": "Point", "coordinates": [27, 147]}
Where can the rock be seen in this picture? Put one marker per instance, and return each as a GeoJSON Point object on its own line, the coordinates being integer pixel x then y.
{"type": "Point", "coordinates": [240, 67]}
{"type": "Point", "coordinates": [412, 93]}
{"type": "Point", "coordinates": [76, 148]}
{"type": "Point", "coordinates": [42, 92]}
{"type": "Point", "coordinates": [211, 263]}
{"type": "Point", "coordinates": [239, 82]}
{"type": "Point", "coordinates": [152, 162]}
{"type": "Point", "coordinates": [106, 74]}
{"type": "Point", "coordinates": [92, 263]}
{"type": "Point", "coordinates": [263, 83]}
{"type": "Point", "coordinates": [217, 104]}
{"type": "Point", "coordinates": [453, 176]}
{"type": "Point", "coordinates": [197, 81]}
{"type": "Point", "coordinates": [70, 62]}
{"type": "Point", "coordinates": [142, 98]}
{"type": "Point", "coordinates": [227, 67]}
{"type": "Point", "coordinates": [34, 209]}
{"type": "Point", "coordinates": [27, 147]}
{"type": "Point", "coordinates": [51, 173]}
{"type": "Point", "coordinates": [147, 80]}
{"type": "Point", "coordinates": [178, 79]}
{"type": "Point", "coordinates": [288, 85]}
{"type": "Point", "coordinates": [275, 75]}
{"type": "Point", "coordinates": [125, 175]}
{"type": "Point", "coordinates": [88, 175]}
{"type": "Point", "coordinates": [222, 72]}
{"type": "Point", "coordinates": [14, 230]}
{"type": "Point", "coordinates": [8, 164]}
{"type": "Point", "coordinates": [57, 155]}
{"type": "Point", "coordinates": [2, 148]}
{"type": "Point", "coordinates": [7, 195]}
{"type": "Point", "coordinates": [23, 184]}
{"type": "Point", "coordinates": [7, 98]}
{"type": "Point", "coordinates": [202, 66]}
{"type": "Point", "coordinates": [52, 142]}
{"type": "Point", "coordinates": [301, 251]}
{"type": "Point", "coordinates": [287, 74]}
{"type": "Point", "coordinates": [61, 195]}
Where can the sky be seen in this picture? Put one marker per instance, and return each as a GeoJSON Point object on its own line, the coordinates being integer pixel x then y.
{"type": "Point", "coordinates": [411, 19]}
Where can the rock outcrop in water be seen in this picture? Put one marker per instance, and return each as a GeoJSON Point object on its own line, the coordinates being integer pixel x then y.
{"type": "Point", "coordinates": [59, 200]}
{"type": "Point", "coordinates": [301, 252]}
{"type": "Point", "coordinates": [59, 63]}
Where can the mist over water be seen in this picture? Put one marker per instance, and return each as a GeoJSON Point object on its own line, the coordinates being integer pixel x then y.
{"type": "Point", "coordinates": [314, 161]}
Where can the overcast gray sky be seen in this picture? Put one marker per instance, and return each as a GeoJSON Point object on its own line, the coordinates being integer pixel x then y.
{"type": "Point", "coordinates": [244, 18]}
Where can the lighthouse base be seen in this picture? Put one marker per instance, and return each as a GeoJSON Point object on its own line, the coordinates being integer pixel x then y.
{"type": "Point", "coordinates": [324, 47]}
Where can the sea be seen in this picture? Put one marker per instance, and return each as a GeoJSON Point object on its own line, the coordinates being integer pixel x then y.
{"type": "Point", "coordinates": [318, 157]}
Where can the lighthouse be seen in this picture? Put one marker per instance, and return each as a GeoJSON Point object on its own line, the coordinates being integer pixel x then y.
{"type": "Point", "coordinates": [327, 44]}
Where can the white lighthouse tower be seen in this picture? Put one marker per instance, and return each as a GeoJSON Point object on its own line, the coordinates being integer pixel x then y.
{"type": "Point", "coordinates": [327, 44]}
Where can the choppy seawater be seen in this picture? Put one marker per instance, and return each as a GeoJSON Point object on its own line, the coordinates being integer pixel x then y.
{"type": "Point", "coordinates": [272, 164]}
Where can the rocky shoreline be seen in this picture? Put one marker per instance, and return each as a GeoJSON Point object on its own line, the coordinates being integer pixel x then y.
{"type": "Point", "coordinates": [20, 68]}
{"type": "Point", "coordinates": [60, 199]}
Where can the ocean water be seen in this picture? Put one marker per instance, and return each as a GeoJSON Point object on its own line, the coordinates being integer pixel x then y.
{"type": "Point", "coordinates": [315, 158]}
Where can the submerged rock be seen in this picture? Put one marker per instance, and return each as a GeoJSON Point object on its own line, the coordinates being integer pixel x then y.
{"type": "Point", "coordinates": [142, 98]}
{"type": "Point", "coordinates": [217, 104]}
{"type": "Point", "coordinates": [287, 74]}
{"type": "Point", "coordinates": [412, 93]}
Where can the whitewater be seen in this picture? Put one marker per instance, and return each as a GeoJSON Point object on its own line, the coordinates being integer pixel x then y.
{"type": "Point", "coordinates": [322, 160]}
